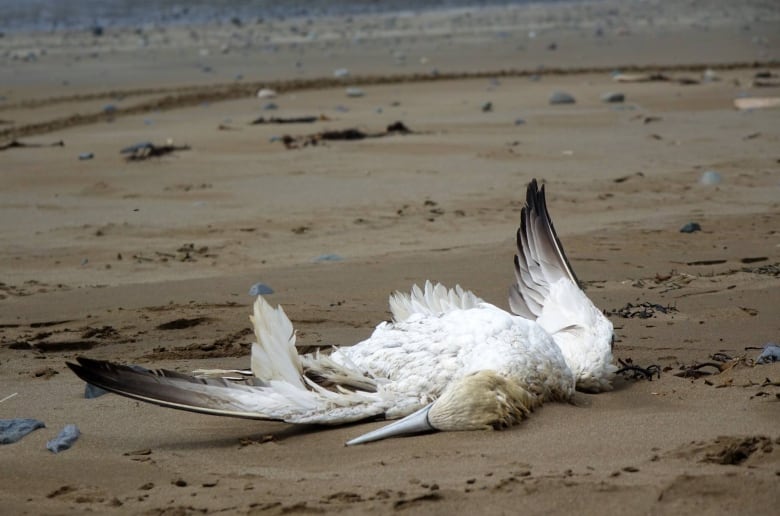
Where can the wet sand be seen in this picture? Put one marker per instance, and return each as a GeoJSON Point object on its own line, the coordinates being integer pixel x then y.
{"type": "Point", "coordinates": [151, 261]}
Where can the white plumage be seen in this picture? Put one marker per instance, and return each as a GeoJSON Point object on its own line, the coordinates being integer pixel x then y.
{"type": "Point", "coordinates": [447, 361]}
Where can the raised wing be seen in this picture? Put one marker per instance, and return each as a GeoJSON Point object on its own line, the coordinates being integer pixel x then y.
{"type": "Point", "coordinates": [540, 260]}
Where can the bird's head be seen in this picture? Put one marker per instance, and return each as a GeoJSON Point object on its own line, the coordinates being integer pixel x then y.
{"type": "Point", "coordinates": [479, 401]}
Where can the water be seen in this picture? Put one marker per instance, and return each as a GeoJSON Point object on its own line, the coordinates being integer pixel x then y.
{"type": "Point", "coordinates": [20, 15]}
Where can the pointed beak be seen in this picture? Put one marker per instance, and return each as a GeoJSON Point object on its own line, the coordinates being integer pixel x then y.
{"type": "Point", "coordinates": [412, 424]}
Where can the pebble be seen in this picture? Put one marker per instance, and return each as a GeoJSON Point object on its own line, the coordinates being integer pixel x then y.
{"type": "Point", "coordinates": [340, 73]}
{"type": "Point", "coordinates": [266, 93]}
{"type": "Point", "coordinates": [354, 92]}
{"type": "Point", "coordinates": [85, 156]}
{"type": "Point", "coordinates": [487, 107]}
{"type": "Point", "coordinates": [260, 289]}
{"type": "Point", "coordinates": [613, 97]}
{"type": "Point", "coordinates": [710, 177]}
{"type": "Point", "coordinates": [11, 430]}
{"type": "Point", "coordinates": [331, 257]}
{"type": "Point", "coordinates": [64, 440]}
{"type": "Point", "coordinates": [690, 227]}
{"type": "Point", "coordinates": [519, 121]}
{"type": "Point", "coordinates": [770, 354]}
{"type": "Point", "coordinates": [561, 97]}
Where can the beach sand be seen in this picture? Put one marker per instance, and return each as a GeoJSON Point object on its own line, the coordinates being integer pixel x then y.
{"type": "Point", "coordinates": [150, 262]}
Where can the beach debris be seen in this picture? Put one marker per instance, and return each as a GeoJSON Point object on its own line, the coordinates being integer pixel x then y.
{"type": "Point", "coordinates": [329, 257]}
{"type": "Point", "coordinates": [632, 371]}
{"type": "Point", "coordinates": [16, 144]}
{"type": "Point", "coordinates": [340, 73]}
{"type": "Point", "coordinates": [639, 77]}
{"type": "Point", "coordinates": [266, 93]}
{"type": "Point", "coordinates": [613, 97]}
{"type": "Point", "coordinates": [84, 156]}
{"type": "Point", "coordinates": [765, 79]}
{"type": "Point", "coordinates": [623, 179]}
{"type": "Point", "coordinates": [354, 92]}
{"type": "Point", "coordinates": [182, 323]}
{"type": "Point", "coordinates": [64, 440]}
{"type": "Point", "coordinates": [771, 353]}
{"type": "Point", "coordinates": [561, 97]}
{"type": "Point", "coordinates": [733, 451]}
{"type": "Point", "coordinates": [710, 177]}
{"type": "Point", "coordinates": [644, 310]}
{"type": "Point", "coordinates": [290, 120]}
{"type": "Point", "coordinates": [11, 430]}
{"type": "Point", "coordinates": [706, 262]}
{"type": "Point", "coordinates": [145, 150]}
{"type": "Point", "coordinates": [747, 103]}
{"type": "Point", "coordinates": [720, 362]}
{"type": "Point", "coordinates": [260, 289]}
{"type": "Point", "coordinates": [351, 134]}
{"type": "Point", "coordinates": [487, 107]}
{"type": "Point", "coordinates": [690, 227]}
{"type": "Point", "coordinates": [9, 396]}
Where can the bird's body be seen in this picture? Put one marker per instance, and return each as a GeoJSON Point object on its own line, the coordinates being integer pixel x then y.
{"type": "Point", "coordinates": [447, 361]}
{"type": "Point", "coordinates": [418, 357]}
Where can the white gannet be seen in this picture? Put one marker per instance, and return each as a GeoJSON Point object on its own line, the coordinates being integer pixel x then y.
{"type": "Point", "coordinates": [447, 361]}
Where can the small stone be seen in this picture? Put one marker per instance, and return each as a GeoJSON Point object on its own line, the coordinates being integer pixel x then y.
{"type": "Point", "coordinates": [710, 177]}
{"type": "Point", "coordinates": [266, 93]}
{"type": "Point", "coordinates": [84, 156]}
{"type": "Point", "coordinates": [64, 440]}
{"type": "Point", "coordinates": [613, 97]}
{"type": "Point", "coordinates": [330, 257]}
{"type": "Point", "coordinates": [179, 482]}
{"type": "Point", "coordinates": [354, 92]}
{"type": "Point", "coordinates": [487, 107]}
{"type": "Point", "coordinates": [260, 289]}
{"type": "Point", "coordinates": [690, 227]}
{"type": "Point", "coordinates": [561, 97]}
{"type": "Point", "coordinates": [340, 73]}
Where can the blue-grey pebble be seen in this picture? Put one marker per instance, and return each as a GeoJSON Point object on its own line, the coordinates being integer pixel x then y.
{"type": "Point", "coordinates": [11, 430]}
{"type": "Point", "coordinates": [690, 227]}
{"type": "Point", "coordinates": [770, 354]}
{"type": "Point", "coordinates": [613, 97]}
{"type": "Point", "coordinates": [64, 439]}
{"type": "Point", "coordinates": [260, 289]}
{"type": "Point", "coordinates": [561, 97]}
{"type": "Point", "coordinates": [330, 257]}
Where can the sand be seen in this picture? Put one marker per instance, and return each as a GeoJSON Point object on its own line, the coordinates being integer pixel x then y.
{"type": "Point", "coordinates": [151, 262]}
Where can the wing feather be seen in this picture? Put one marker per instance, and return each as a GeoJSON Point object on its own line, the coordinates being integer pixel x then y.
{"type": "Point", "coordinates": [540, 260]}
{"type": "Point", "coordinates": [275, 400]}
